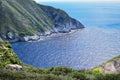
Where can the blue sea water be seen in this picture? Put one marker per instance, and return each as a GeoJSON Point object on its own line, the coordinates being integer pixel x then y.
{"type": "Point", "coordinates": [82, 49]}
{"type": "Point", "coordinates": [99, 14]}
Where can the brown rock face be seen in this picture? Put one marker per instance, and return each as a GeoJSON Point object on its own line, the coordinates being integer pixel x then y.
{"type": "Point", "coordinates": [111, 67]}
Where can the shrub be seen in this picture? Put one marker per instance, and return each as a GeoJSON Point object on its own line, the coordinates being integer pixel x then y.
{"type": "Point", "coordinates": [79, 76]}
{"type": "Point", "coordinates": [7, 44]}
{"type": "Point", "coordinates": [7, 56]}
{"type": "Point", "coordinates": [97, 70]}
{"type": "Point", "coordinates": [37, 70]}
{"type": "Point", "coordinates": [22, 33]}
{"type": "Point", "coordinates": [50, 77]}
{"type": "Point", "coordinates": [61, 70]}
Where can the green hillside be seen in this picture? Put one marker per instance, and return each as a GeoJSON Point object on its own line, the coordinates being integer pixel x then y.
{"type": "Point", "coordinates": [22, 16]}
{"type": "Point", "coordinates": [25, 18]}
{"type": "Point", "coordinates": [7, 55]}
{"type": "Point", "coordinates": [19, 18]}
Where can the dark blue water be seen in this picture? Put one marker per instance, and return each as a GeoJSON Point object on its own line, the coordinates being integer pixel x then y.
{"type": "Point", "coordinates": [82, 49]}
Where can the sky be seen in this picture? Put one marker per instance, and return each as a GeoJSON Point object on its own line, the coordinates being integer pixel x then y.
{"type": "Point", "coordinates": [76, 0]}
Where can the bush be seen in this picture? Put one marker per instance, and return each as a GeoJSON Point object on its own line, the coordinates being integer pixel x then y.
{"type": "Point", "coordinates": [37, 70]}
{"type": "Point", "coordinates": [107, 77]}
{"type": "Point", "coordinates": [7, 44]}
{"type": "Point", "coordinates": [79, 76]}
{"type": "Point", "coordinates": [61, 70]}
{"type": "Point", "coordinates": [7, 56]}
{"type": "Point", "coordinates": [97, 70]}
{"type": "Point", "coordinates": [22, 34]}
{"type": "Point", "coordinates": [50, 77]}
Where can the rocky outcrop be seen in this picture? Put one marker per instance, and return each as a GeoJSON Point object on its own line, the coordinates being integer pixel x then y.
{"type": "Point", "coordinates": [22, 20]}
{"type": "Point", "coordinates": [25, 38]}
{"type": "Point", "coordinates": [1, 39]}
{"type": "Point", "coordinates": [111, 67]}
{"type": "Point", "coordinates": [13, 67]}
{"type": "Point", "coordinates": [61, 20]}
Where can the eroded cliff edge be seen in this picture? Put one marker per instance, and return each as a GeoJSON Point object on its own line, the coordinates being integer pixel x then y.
{"type": "Point", "coordinates": [24, 20]}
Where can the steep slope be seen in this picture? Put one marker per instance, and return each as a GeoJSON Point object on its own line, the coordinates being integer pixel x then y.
{"type": "Point", "coordinates": [23, 17]}
{"type": "Point", "coordinates": [20, 18]}
{"type": "Point", "coordinates": [112, 66]}
{"type": "Point", "coordinates": [7, 55]}
{"type": "Point", "coordinates": [62, 21]}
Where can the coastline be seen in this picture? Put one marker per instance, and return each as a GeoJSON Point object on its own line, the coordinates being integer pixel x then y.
{"type": "Point", "coordinates": [41, 37]}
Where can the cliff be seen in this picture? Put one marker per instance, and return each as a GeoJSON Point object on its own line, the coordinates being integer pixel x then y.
{"type": "Point", "coordinates": [21, 19]}
{"type": "Point", "coordinates": [62, 21]}
{"type": "Point", "coordinates": [112, 66]}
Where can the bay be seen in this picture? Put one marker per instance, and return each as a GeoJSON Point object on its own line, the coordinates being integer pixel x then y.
{"type": "Point", "coordinates": [81, 49]}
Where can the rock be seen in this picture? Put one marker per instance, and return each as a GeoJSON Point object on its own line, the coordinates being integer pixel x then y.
{"type": "Point", "coordinates": [111, 67]}
{"type": "Point", "coordinates": [62, 21]}
{"type": "Point", "coordinates": [16, 39]}
{"type": "Point", "coordinates": [117, 65]}
{"type": "Point", "coordinates": [32, 18]}
{"type": "Point", "coordinates": [1, 39]}
{"type": "Point", "coordinates": [13, 67]}
{"type": "Point", "coordinates": [10, 35]}
{"type": "Point", "coordinates": [31, 38]}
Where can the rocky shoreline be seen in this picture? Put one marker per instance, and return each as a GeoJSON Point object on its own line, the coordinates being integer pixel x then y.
{"type": "Point", "coordinates": [39, 20]}
{"type": "Point", "coordinates": [36, 37]}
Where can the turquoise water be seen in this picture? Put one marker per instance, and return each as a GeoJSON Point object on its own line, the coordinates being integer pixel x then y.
{"type": "Point", "coordinates": [82, 49]}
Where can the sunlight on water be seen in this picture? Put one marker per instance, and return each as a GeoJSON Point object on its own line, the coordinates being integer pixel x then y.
{"type": "Point", "coordinates": [82, 49]}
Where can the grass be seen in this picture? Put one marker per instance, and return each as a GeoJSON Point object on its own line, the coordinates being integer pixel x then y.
{"type": "Point", "coordinates": [115, 58]}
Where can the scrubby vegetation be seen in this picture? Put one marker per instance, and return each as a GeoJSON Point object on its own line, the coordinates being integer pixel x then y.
{"type": "Point", "coordinates": [26, 18]}
{"type": "Point", "coordinates": [115, 58]}
{"type": "Point", "coordinates": [31, 73]}
{"type": "Point", "coordinates": [7, 56]}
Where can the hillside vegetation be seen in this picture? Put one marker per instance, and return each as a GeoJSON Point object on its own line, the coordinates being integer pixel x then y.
{"type": "Point", "coordinates": [21, 18]}
{"type": "Point", "coordinates": [7, 56]}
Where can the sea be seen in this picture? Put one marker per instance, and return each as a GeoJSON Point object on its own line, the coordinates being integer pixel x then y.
{"type": "Point", "coordinates": [98, 42]}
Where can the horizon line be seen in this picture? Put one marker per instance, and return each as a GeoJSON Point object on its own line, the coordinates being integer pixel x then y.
{"type": "Point", "coordinates": [76, 1]}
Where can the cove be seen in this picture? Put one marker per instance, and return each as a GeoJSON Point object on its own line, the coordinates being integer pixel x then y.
{"type": "Point", "coordinates": [82, 49]}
